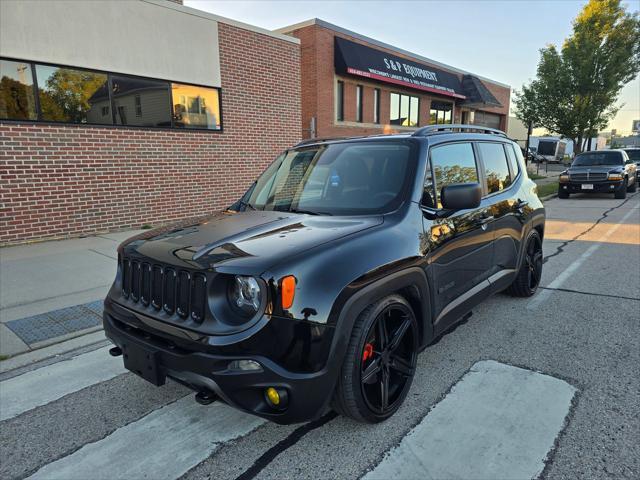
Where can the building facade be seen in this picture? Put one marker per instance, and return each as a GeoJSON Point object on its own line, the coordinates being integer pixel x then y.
{"type": "Point", "coordinates": [356, 85]}
{"type": "Point", "coordinates": [117, 115]}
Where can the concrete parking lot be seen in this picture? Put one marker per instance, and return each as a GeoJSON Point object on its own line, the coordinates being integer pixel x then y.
{"type": "Point", "coordinates": [541, 387]}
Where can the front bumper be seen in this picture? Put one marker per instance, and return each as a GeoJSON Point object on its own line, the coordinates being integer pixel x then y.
{"type": "Point", "coordinates": [598, 187]}
{"type": "Point", "coordinates": [204, 369]}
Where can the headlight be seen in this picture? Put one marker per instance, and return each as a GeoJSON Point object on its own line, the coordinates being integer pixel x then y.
{"type": "Point", "coordinates": [245, 295]}
{"type": "Point", "coordinates": [615, 176]}
{"type": "Point", "coordinates": [564, 177]}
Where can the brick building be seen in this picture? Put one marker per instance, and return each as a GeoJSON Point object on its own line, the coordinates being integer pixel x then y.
{"type": "Point", "coordinates": [356, 85]}
{"type": "Point", "coordinates": [115, 115]}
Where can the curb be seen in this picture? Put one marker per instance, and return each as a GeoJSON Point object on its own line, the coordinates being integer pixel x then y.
{"type": "Point", "coordinates": [548, 197]}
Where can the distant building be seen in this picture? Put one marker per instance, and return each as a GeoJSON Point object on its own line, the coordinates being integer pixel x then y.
{"type": "Point", "coordinates": [621, 142]}
{"type": "Point", "coordinates": [517, 130]}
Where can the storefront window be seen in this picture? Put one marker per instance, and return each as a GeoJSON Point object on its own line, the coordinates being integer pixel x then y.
{"type": "Point", "coordinates": [376, 105]}
{"type": "Point", "coordinates": [141, 102]}
{"type": "Point", "coordinates": [340, 101]}
{"type": "Point", "coordinates": [359, 103]}
{"type": "Point", "coordinates": [72, 95]}
{"type": "Point", "coordinates": [441, 112]}
{"type": "Point", "coordinates": [195, 107]}
{"type": "Point", "coordinates": [17, 101]}
{"type": "Point", "coordinates": [404, 110]}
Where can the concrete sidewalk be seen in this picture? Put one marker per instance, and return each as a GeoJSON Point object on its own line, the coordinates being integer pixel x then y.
{"type": "Point", "coordinates": [53, 291]}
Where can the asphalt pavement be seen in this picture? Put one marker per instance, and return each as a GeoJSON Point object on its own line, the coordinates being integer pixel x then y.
{"type": "Point", "coordinates": [546, 387]}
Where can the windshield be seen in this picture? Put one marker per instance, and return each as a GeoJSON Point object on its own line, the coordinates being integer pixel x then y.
{"type": "Point", "coordinates": [598, 158]}
{"type": "Point", "coordinates": [634, 155]}
{"type": "Point", "coordinates": [337, 179]}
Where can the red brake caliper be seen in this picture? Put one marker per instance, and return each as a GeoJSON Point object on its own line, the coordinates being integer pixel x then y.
{"type": "Point", "coordinates": [368, 352]}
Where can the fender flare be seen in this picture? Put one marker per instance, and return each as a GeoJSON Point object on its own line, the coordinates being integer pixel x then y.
{"type": "Point", "coordinates": [408, 277]}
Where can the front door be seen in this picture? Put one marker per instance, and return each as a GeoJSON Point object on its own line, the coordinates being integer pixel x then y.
{"type": "Point", "coordinates": [459, 245]}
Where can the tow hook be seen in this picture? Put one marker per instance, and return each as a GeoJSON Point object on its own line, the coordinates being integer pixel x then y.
{"type": "Point", "coordinates": [115, 351]}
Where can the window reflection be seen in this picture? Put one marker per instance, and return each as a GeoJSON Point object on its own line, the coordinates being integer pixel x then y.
{"type": "Point", "coordinates": [17, 101]}
{"type": "Point", "coordinates": [453, 164]}
{"type": "Point", "coordinates": [440, 113]}
{"type": "Point", "coordinates": [495, 165]}
{"type": "Point", "coordinates": [72, 95]}
{"type": "Point", "coordinates": [142, 102]}
{"type": "Point", "coordinates": [404, 110]}
{"type": "Point", "coordinates": [195, 107]}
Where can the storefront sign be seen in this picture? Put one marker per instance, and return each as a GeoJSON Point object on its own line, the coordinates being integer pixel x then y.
{"type": "Point", "coordinates": [355, 59]}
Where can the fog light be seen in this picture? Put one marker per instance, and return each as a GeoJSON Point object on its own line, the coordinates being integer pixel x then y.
{"type": "Point", "coordinates": [276, 397]}
{"type": "Point", "coordinates": [273, 396]}
{"type": "Point", "coordinates": [244, 365]}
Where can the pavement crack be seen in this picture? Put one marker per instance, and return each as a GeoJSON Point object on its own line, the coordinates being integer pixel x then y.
{"type": "Point", "coordinates": [103, 254]}
{"type": "Point", "coordinates": [267, 457]}
{"type": "Point", "coordinates": [569, 290]}
{"type": "Point", "coordinates": [560, 248]}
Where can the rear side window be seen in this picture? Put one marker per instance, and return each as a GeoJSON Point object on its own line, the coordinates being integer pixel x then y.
{"type": "Point", "coordinates": [495, 166]}
{"type": "Point", "coordinates": [453, 163]}
{"type": "Point", "coordinates": [513, 163]}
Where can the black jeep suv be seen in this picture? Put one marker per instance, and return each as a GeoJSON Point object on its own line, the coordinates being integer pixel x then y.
{"type": "Point", "coordinates": [602, 171]}
{"type": "Point", "coordinates": [323, 282]}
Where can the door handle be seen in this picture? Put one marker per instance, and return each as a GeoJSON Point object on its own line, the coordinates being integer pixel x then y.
{"type": "Point", "coordinates": [485, 220]}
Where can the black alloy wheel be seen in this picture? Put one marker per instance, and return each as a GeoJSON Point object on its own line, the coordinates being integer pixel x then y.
{"type": "Point", "coordinates": [380, 362]}
{"type": "Point", "coordinates": [528, 278]}
{"type": "Point", "coordinates": [388, 359]}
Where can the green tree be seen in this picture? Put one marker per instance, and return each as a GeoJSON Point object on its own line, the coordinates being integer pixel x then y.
{"type": "Point", "coordinates": [67, 94]}
{"type": "Point", "coordinates": [576, 88]}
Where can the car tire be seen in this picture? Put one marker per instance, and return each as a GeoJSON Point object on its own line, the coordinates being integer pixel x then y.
{"type": "Point", "coordinates": [622, 191]}
{"type": "Point", "coordinates": [562, 194]}
{"type": "Point", "coordinates": [528, 277]}
{"type": "Point", "coordinates": [357, 397]}
{"type": "Point", "coordinates": [634, 186]}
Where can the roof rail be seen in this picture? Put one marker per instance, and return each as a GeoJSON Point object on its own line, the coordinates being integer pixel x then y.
{"type": "Point", "coordinates": [310, 141]}
{"type": "Point", "coordinates": [450, 128]}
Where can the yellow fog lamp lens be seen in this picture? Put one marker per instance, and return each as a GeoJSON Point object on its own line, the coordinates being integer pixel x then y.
{"type": "Point", "coordinates": [564, 177]}
{"type": "Point", "coordinates": [615, 176]}
{"type": "Point", "coordinates": [273, 396]}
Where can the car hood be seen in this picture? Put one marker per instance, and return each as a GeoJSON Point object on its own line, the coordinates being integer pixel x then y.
{"type": "Point", "coordinates": [242, 242]}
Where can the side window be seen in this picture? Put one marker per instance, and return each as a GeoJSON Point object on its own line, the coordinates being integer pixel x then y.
{"type": "Point", "coordinates": [453, 163]}
{"type": "Point", "coordinates": [513, 163]}
{"type": "Point", "coordinates": [495, 166]}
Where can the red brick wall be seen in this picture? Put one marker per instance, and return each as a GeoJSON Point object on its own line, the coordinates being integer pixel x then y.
{"type": "Point", "coordinates": [318, 78]}
{"type": "Point", "coordinates": [62, 181]}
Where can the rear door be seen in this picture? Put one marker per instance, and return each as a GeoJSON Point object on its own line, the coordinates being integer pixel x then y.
{"type": "Point", "coordinates": [506, 210]}
{"type": "Point", "coordinates": [458, 246]}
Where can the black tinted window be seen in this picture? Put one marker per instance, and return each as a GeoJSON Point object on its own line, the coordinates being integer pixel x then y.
{"type": "Point", "coordinates": [454, 163]}
{"type": "Point", "coordinates": [72, 95]}
{"type": "Point", "coordinates": [141, 102]}
{"type": "Point", "coordinates": [495, 165]}
{"type": "Point", "coordinates": [634, 155]}
{"type": "Point", "coordinates": [598, 158]}
{"type": "Point", "coordinates": [17, 101]}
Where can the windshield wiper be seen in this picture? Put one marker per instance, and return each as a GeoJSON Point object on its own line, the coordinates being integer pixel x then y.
{"type": "Point", "coordinates": [308, 212]}
{"type": "Point", "coordinates": [247, 205]}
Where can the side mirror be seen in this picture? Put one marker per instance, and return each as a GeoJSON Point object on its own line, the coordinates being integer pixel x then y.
{"type": "Point", "coordinates": [461, 196]}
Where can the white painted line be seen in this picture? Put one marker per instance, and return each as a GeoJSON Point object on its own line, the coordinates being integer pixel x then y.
{"type": "Point", "coordinates": [163, 445]}
{"type": "Point", "coordinates": [39, 387]}
{"type": "Point", "coordinates": [543, 295]}
{"type": "Point", "coordinates": [498, 422]}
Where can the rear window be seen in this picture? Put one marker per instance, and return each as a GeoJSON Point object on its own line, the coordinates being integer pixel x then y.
{"type": "Point", "coordinates": [598, 159]}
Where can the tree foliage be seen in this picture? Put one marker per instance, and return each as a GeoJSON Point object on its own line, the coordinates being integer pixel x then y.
{"type": "Point", "coordinates": [576, 88]}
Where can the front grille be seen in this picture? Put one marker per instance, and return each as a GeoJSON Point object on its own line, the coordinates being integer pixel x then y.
{"type": "Point", "coordinates": [588, 177]}
{"type": "Point", "coordinates": [177, 292]}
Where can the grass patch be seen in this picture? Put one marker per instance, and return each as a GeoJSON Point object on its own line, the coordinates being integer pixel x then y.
{"type": "Point", "coordinates": [547, 189]}
{"type": "Point", "coordinates": [534, 176]}
{"type": "Point", "coordinates": [3, 357]}
{"type": "Point", "coordinates": [146, 227]}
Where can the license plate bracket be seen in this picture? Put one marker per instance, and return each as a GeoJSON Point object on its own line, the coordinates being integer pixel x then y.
{"type": "Point", "coordinates": [587, 186]}
{"type": "Point", "coordinates": [143, 362]}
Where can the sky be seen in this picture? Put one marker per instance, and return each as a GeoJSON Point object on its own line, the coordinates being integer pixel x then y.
{"type": "Point", "coordinates": [496, 39]}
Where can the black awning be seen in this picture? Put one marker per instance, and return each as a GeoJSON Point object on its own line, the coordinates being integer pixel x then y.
{"type": "Point", "coordinates": [355, 59]}
{"type": "Point", "coordinates": [477, 93]}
